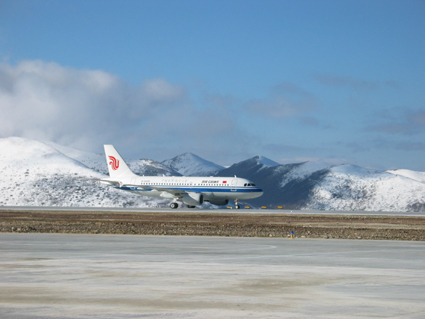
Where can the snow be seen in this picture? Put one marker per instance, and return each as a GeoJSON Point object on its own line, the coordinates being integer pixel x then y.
{"type": "Point", "coordinates": [417, 176]}
{"type": "Point", "coordinates": [97, 162]}
{"type": "Point", "coordinates": [350, 187]}
{"type": "Point", "coordinates": [91, 160]}
{"type": "Point", "coordinates": [261, 160]}
{"type": "Point", "coordinates": [36, 174]}
{"type": "Point", "coordinates": [303, 170]}
{"type": "Point", "coordinates": [150, 167]}
{"type": "Point", "coordinates": [189, 164]}
{"type": "Point", "coordinates": [46, 174]}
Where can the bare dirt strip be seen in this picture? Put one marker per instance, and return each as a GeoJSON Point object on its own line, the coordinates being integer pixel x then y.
{"type": "Point", "coordinates": [209, 223]}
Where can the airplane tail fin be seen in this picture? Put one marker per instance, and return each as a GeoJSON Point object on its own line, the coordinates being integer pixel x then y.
{"type": "Point", "coordinates": [116, 165]}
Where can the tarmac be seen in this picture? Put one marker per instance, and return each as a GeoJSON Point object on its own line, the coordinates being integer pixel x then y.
{"type": "Point", "coordinates": [133, 276]}
{"type": "Point", "coordinates": [250, 210]}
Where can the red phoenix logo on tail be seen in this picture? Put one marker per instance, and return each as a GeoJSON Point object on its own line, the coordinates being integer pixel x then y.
{"type": "Point", "coordinates": [114, 163]}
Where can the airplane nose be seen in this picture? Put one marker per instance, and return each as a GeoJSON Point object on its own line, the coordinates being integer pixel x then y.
{"type": "Point", "coordinates": [259, 192]}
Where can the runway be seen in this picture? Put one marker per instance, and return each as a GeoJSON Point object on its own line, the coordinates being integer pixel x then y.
{"type": "Point", "coordinates": [122, 276]}
{"type": "Point", "coordinates": [189, 210]}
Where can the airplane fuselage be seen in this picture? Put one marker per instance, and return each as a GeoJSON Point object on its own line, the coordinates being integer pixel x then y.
{"type": "Point", "coordinates": [213, 188]}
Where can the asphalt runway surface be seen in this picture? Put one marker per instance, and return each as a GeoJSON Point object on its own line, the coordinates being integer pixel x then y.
{"type": "Point", "coordinates": [123, 276]}
{"type": "Point", "coordinates": [226, 210]}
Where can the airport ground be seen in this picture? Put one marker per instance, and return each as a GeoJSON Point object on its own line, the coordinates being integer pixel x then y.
{"type": "Point", "coordinates": [119, 276]}
{"type": "Point", "coordinates": [53, 266]}
{"type": "Point", "coordinates": [243, 223]}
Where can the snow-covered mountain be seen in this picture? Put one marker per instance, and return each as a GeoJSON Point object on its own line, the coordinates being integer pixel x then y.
{"type": "Point", "coordinates": [324, 186]}
{"type": "Point", "coordinates": [417, 176]}
{"type": "Point", "coordinates": [350, 187]}
{"type": "Point", "coordinates": [261, 160]}
{"type": "Point", "coordinates": [189, 164]}
{"type": "Point", "coordinates": [97, 162]}
{"type": "Point", "coordinates": [91, 160]}
{"type": "Point", "coordinates": [36, 174]}
{"type": "Point", "coordinates": [150, 167]}
{"type": "Point", "coordinates": [46, 174]}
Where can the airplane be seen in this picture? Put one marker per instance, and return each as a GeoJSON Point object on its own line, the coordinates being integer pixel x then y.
{"type": "Point", "coordinates": [192, 191]}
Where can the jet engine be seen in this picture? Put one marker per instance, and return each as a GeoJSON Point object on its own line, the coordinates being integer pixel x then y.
{"type": "Point", "coordinates": [219, 202]}
{"type": "Point", "coordinates": [193, 199]}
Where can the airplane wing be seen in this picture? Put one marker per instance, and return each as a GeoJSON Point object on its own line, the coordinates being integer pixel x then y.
{"type": "Point", "coordinates": [115, 183]}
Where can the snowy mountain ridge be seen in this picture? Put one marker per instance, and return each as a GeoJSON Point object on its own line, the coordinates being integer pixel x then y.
{"type": "Point", "coordinates": [189, 164]}
{"type": "Point", "coordinates": [325, 186]}
{"type": "Point", "coordinates": [350, 187]}
{"type": "Point", "coordinates": [261, 160]}
{"type": "Point", "coordinates": [46, 174]}
{"type": "Point", "coordinates": [97, 162]}
{"type": "Point", "coordinates": [36, 174]}
{"type": "Point", "coordinates": [417, 176]}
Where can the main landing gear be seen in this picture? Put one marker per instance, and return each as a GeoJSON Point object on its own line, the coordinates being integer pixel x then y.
{"type": "Point", "coordinates": [175, 205]}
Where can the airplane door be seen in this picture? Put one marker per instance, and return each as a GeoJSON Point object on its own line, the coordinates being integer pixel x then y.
{"type": "Point", "coordinates": [233, 185]}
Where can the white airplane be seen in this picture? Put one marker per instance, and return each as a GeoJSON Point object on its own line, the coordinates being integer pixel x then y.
{"type": "Point", "coordinates": [192, 191]}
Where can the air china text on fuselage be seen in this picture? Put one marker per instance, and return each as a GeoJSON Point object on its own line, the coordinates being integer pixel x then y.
{"type": "Point", "coordinates": [192, 191]}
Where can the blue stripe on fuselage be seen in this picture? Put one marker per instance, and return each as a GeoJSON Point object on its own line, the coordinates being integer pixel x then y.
{"type": "Point", "coordinates": [196, 189]}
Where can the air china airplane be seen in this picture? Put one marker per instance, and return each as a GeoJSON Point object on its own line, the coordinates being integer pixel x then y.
{"type": "Point", "coordinates": [192, 191]}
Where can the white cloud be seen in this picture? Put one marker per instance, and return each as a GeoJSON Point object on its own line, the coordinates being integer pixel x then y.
{"type": "Point", "coordinates": [79, 107]}
{"type": "Point", "coordinates": [88, 108]}
{"type": "Point", "coordinates": [157, 119]}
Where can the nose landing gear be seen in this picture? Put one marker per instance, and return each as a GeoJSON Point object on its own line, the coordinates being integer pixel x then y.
{"type": "Point", "coordinates": [237, 206]}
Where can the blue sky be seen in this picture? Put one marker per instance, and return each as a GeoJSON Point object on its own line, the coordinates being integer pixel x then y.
{"type": "Point", "coordinates": [339, 81]}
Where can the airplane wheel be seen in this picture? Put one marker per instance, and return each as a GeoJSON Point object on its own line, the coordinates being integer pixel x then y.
{"type": "Point", "coordinates": [237, 206]}
{"type": "Point", "coordinates": [174, 205]}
